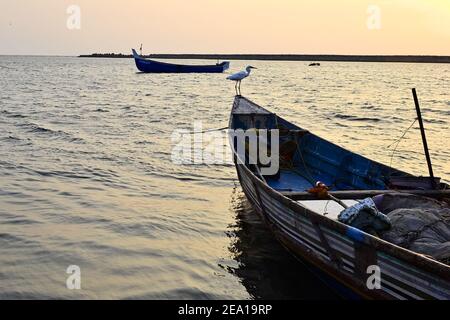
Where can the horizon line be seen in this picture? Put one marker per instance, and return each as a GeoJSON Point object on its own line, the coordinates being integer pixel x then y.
{"type": "Point", "coordinates": [231, 54]}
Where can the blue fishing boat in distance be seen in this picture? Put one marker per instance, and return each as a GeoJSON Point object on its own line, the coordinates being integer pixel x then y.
{"type": "Point", "coordinates": [302, 199]}
{"type": "Point", "coordinates": [152, 66]}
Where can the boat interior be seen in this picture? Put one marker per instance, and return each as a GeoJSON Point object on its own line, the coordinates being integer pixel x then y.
{"type": "Point", "coordinates": [305, 158]}
{"type": "Point", "coordinates": [375, 198]}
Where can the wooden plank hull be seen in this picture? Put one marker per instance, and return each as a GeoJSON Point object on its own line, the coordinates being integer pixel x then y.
{"type": "Point", "coordinates": [342, 252]}
{"type": "Point", "coordinates": [301, 234]}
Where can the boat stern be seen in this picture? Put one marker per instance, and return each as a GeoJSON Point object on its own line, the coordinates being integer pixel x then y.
{"type": "Point", "coordinates": [226, 65]}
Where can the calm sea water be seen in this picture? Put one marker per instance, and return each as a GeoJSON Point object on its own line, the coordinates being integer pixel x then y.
{"type": "Point", "coordinates": [86, 176]}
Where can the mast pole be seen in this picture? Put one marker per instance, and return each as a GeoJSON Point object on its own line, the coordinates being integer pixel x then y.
{"type": "Point", "coordinates": [424, 139]}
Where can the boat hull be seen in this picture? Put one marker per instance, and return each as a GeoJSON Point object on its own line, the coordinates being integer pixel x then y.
{"type": "Point", "coordinates": [306, 238]}
{"type": "Point", "coordinates": [344, 253]}
{"type": "Point", "coordinates": [151, 66]}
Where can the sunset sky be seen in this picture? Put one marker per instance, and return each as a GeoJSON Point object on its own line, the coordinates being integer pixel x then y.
{"type": "Point", "coordinates": [233, 26]}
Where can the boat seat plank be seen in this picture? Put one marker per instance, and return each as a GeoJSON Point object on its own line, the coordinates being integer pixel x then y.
{"type": "Point", "coordinates": [289, 181]}
{"type": "Point", "coordinates": [331, 208]}
{"type": "Point", "coordinates": [361, 194]}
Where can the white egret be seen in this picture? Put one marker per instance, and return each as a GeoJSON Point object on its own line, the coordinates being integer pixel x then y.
{"type": "Point", "coordinates": [238, 77]}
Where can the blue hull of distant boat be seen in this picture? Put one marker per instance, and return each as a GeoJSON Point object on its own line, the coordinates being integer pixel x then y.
{"type": "Point", "coordinates": [151, 66]}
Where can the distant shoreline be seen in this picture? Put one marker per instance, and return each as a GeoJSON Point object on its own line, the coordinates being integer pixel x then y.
{"type": "Point", "coordinates": [286, 57]}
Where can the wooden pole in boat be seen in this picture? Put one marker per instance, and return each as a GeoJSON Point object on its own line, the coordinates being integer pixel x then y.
{"type": "Point", "coordinates": [321, 191]}
{"type": "Point", "coordinates": [339, 201]}
{"type": "Point", "coordinates": [424, 139]}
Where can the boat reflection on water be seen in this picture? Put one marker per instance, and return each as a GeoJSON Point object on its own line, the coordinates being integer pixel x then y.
{"type": "Point", "coordinates": [265, 268]}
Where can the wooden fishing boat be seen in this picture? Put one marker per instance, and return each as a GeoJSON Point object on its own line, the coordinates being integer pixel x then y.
{"type": "Point", "coordinates": [152, 66]}
{"type": "Point", "coordinates": [338, 251]}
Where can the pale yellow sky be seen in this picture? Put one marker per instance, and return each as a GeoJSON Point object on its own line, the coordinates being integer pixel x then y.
{"type": "Point", "coordinates": [232, 26]}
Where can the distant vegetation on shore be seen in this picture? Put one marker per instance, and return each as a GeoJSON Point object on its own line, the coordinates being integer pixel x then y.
{"type": "Point", "coordinates": [284, 57]}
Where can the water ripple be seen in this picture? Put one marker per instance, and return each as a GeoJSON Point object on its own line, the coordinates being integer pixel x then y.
{"type": "Point", "coordinates": [86, 175]}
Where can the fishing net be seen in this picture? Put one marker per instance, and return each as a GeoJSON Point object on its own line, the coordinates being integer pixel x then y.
{"type": "Point", "coordinates": [365, 216]}
{"type": "Point", "coordinates": [419, 224]}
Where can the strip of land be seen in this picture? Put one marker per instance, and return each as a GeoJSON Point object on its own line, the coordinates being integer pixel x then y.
{"type": "Point", "coordinates": [285, 57]}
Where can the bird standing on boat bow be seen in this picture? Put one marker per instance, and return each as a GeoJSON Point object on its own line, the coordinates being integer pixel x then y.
{"type": "Point", "coordinates": [238, 77]}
